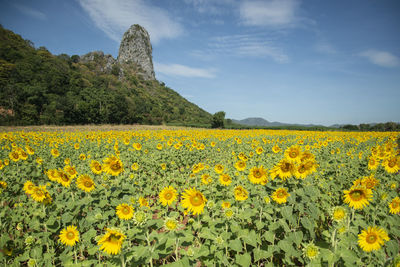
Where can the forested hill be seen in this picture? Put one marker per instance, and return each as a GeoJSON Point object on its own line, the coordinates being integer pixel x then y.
{"type": "Point", "coordinates": [37, 87]}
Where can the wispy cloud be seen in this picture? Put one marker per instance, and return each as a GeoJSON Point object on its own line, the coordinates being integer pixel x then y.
{"type": "Point", "coordinates": [381, 58]}
{"type": "Point", "coordinates": [269, 12]}
{"type": "Point", "coordinates": [246, 45]}
{"type": "Point", "coordinates": [184, 71]}
{"type": "Point", "coordinates": [325, 48]}
{"type": "Point", "coordinates": [30, 11]}
{"type": "Point", "coordinates": [114, 17]}
{"type": "Point", "coordinates": [215, 7]}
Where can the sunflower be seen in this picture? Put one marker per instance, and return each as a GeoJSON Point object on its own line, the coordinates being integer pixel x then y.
{"type": "Point", "coordinates": [225, 179]}
{"type": "Point", "coordinates": [167, 195]}
{"type": "Point", "coordinates": [143, 202]}
{"type": "Point", "coordinates": [1, 165]}
{"type": "Point", "coordinates": [71, 171]}
{"type": "Point", "coordinates": [293, 154]}
{"type": "Point", "coordinates": [219, 168]}
{"type": "Point", "coordinates": [29, 150]}
{"type": "Point", "coordinates": [372, 238]}
{"type": "Point", "coordinates": [369, 182]}
{"type": "Point", "coordinates": [111, 242]}
{"type": "Point", "coordinates": [301, 172]}
{"type": "Point", "coordinates": [22, 154]}
{"type": "Point", "coordinates": [226, 204]}
{"type": "Point", "coordinates": [39, 193]}
{"type": "Point", "coordinates": [55, 153]}
{"type": "Point", "coordinates": [28, 187]}
{"type": "Point", "coordinates": [85, 183]}
{"type": "Point", "coordinates": [259, 150]}
{"type": "Point", "coordinates": [3, 184]}
{"type": "Point", "coordinates": [311, 251]}
{"type": "Point", "coordinates": [240, 165]}
{"type": "Point", "coordinates": [395, 205]}
{"type": "Point", "coordinates": [228, 213]}
{"type": "Point", "coordinates": [240, 193]}
{"type": "Point", "coordinates": [391, 165]}
{"type": "Point", "coordinates": [276, 149]}
{"type": "Point", "coordinates": [135, 166]}
{"type": "Point", "coordinates": [339, 214]}
{"type": "Point", "coordinates": [137, 146]}
{"type": "Point", "coordinates": [76, 146]}
{"type": "Point", "coordinates": [69, 236]}
{"type": "Point", "coordinates": [170, 224]}
{"type": "Point", "coordinates": [357, 197]}
{"type": "Point", "coordinates": [206, 178]}
{"type": "Point", "coordinates": [64, 178]}
{"type": "Point", "coordinates": [284, 169]}
{"type": "Point", "coordinates": [113, 166]}
{"type": "Point", "coordinates": [96, 167]}
{"type": "Point", "coordinates": [53, 175]}
{"type": "Point", "coordinates": [14, 156]}
{"type": "Point", "coordinates": [82, 156]}
{"type": "Point", "coordinates": [124, 211]}
{"type": "Point", "coordinates": [193, 200]}
{"type": "Point", "coordinates": [280, 195]}
{"type": "Point", "coordinates": [258, 175]}
{"type": "Point", "coordinates": [373, 163]}
{"type": "Point", "coordinates": [159, 146]}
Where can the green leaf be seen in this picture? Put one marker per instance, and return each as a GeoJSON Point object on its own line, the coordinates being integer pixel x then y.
{"type": "Point", "coordinates": [296, 237]}
{"type": "Point", "coordinates": [392, 248]}
{"type": "Point", "coordinates": [261, 254]}
{"type": "Point", "coordinates": [285, 246]}
{"type": "Point", "coordinates": [236, 245]}
{"type": "Point", "coordinates": [180, 263]}
{"type": "Point", "coordinates": [269, 236]}
{"type": "Point", "coordinates": [243, 260]}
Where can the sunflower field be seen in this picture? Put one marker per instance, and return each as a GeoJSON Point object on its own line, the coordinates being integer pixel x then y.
{"type": "Point", "coordinates": [199, 198]}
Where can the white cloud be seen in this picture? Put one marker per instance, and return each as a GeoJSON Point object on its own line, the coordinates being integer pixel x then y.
{"type": "Point", "coordinates": [325, 48]}
{"type": "Point", "coordinates": [114, 17]}
{"type": "Point", "coordinates": [247, 45]}
{"type": "Point", "coordinates": [30, 11]}
{"type": "Point", "coordinates": [184, 71]}
{"type": "Point", "coordinates": [215, 7]}
{"type": "Point", "coordinates": [381, 58]}
{"type": "Point", "coordinates": [268, 12]}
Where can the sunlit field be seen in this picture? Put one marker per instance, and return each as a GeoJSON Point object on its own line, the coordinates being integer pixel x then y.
{"type": "Point", "coordinates": [199, 197]}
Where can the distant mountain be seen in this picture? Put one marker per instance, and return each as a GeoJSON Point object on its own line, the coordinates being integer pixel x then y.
{"type": "Point", "coordinates": [264, 123]}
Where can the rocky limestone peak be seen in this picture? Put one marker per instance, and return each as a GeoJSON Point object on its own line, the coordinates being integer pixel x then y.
{"type": "Point", "coordinates": [136, 47]}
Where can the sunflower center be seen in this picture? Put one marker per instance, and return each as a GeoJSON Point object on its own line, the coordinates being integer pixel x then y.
{"type": "Point", "coordinates": [115, 166]}
{"type": "Point", "coordinates": [391, 163]}
{"type": "Point", "coordinates": [302, 169]}
{"type": "Point", "coordinates": [356, 195]}
{"type": "Point", "coordinates": [196, 200]}
{"type": "Point", "coordinates": [39, 193]}
{"type": "Point", "coordinates": [114, 238]}
{"type": "Point", "coordinates": [371, 238]}
{"type": "Point", "coordinates": [168, 196]}
{"type": "Point", "coordinates": [257, 174]}
{"type": "Point", "coordinates": [285, 167]}
{"type": "Point", "coordinates": [70, 235]}
{"type": "Point", "coordinates": [88, 183]}
{"type": "Point", "coordinates": [293, 154]}
{"type": "Point", "coordinates": [395, 204]}
{"type": "Point", "coordinates": [64, 178]}
{"type": "Point", "coordinates": [281, 194]}
{"type": "Point", "coordinates": [225, 178]}
{"type": "Point", "coordinates": [126, 210]}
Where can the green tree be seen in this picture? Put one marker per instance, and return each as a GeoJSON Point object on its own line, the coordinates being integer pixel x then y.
{"type": "Point", "coordinates": [218, 120]}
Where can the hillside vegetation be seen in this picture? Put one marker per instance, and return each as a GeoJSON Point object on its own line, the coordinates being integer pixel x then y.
{"type": "Point", "coordinates": [37, 87]}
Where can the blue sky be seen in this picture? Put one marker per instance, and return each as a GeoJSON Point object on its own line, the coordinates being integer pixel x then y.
{"type": "Point", "coordinates": [293, 61]}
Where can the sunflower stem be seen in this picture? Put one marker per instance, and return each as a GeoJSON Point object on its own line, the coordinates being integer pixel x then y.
{"type": "Point", "coordinates": [176, 248]}
{"type": "Point", "coordinates": [122, 259]}
{"type": "Point", "coordinates": [75, 256]}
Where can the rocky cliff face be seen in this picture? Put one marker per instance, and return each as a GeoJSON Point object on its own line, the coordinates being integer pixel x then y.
{"type": "Point", "coordinates": [136, 47]}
